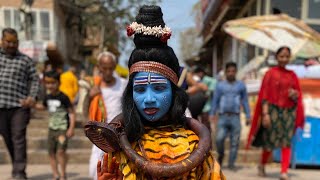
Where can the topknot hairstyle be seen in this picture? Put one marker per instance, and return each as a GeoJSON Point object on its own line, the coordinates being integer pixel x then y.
{"type": "Point", "coordinates": [151, 48]}
{"type": "Point", "coordinates": [149, 16]}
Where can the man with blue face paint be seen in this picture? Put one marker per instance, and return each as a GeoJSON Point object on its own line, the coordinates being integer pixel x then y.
{"type": "Point", "coordinates": [152, 138]}
{"type": "Point", "coordinates": [152, 95]}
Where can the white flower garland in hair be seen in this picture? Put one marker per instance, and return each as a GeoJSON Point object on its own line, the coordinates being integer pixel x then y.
{"type": "Point", "coordinates": [157, 31]}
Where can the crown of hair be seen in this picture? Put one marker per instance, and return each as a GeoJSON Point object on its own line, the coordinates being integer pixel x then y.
{"type": "Point", "coordinates": [157, 31]}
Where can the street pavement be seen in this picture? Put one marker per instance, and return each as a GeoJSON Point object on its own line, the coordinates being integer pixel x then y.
{"type": "Point", "coordinates": [245, 172]}
{"type": "Point", "coordinates": [249, 172]}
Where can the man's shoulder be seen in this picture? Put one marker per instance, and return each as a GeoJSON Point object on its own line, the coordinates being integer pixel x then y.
{"type": "Point", "coordinates": [222, 83]}
{"type": "Point", "coordinates": [25, 57]}
{"type": "Point", "coordinates": [2, 52]}
{"type": "Point", "coordinates": [122, 81]}
{"type": "Point", "coordinates": [241, 84]}
{"type": "Point", "coordinates": [19, 55]}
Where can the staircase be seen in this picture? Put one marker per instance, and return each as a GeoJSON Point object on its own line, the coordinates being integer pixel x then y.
{"type": "Point", "coordinates": [79, 146]}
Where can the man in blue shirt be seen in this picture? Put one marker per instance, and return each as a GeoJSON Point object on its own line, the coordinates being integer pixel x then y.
{"type": "Point", "coordinates": [229, 96]}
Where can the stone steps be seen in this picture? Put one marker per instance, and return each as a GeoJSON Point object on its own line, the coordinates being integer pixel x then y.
{"type": "Point", "coordinates": [43, 132]}
{"type": "Point", "coordinates": [41, 123]}
{"type": "Point", "coordinates": [79, 146]}
{"type": "Point", "coordinates": [83, 155]}
{"type": "Point", "coordinates": [40, 143]}
{"type": "Point", "coordinates": [76, 156]}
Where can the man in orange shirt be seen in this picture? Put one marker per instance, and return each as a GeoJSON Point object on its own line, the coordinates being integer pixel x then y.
{"type": "Point", "coordinates": [69, 83]}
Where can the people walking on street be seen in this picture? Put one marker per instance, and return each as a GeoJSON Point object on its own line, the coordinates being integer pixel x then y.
{"type": "Point", "coordinates": [18, 90]}
{"type": "Point", "coordinates": [200, 76]}
{"type": "Point", "coordinates": [105, 96]}
{"type": "Point", "coordinates": [279, 111]}
{"type": "Point", "coordinates": [69, 84]}
{"type": "Point", "coordinates": [61, 123]}
{"type": "Point", "coordinates": [229, 96]}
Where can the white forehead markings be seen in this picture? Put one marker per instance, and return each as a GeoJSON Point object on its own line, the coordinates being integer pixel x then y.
{"type": "Point", "coordinates": [150, 79]}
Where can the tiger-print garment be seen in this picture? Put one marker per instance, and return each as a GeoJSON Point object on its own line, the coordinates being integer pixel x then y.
{"type": "Point", "coordinates": [170, 144]}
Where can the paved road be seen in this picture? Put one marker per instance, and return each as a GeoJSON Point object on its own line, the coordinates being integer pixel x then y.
{"type": "Point", "coordinates": [247, 172]}
{"type": "Point", "coordinates": [43, 172]}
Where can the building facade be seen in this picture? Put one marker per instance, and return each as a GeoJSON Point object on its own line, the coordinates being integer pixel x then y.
{"type": "Point", "coordinates": [40, 39]}
{"type": "Point", "coordinates": [55, 32]}
{"type": "Point", "coordinates": [219, 48]}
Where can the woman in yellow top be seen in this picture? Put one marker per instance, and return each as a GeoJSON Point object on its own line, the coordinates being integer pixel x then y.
{"type": "Point", "coordinates": [152, 138]}
{"type": "Point", "coordinates": [69, 83]}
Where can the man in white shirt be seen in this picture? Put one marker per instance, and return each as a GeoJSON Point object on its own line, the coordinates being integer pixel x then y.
{"type": "Point", "coordinates": [110, 88]}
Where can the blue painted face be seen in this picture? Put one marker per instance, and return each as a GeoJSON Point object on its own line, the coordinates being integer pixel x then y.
{"type": "Point", "coordinates": [152, 95]}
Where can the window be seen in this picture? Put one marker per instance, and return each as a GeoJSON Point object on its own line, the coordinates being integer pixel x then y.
{"type": "Point", "coordinates": [293, 8]}
{"type": "Point", "coordinates": [45, 25]}
{"type": "Point", "coordinates": [7, 18]}
{"type": "Point", "coordinates": [12, 18]}
{"type": "Point", "coordinates": [44, 18]}
{"type": "Point", "coordinates": [310, 13]}
{"type": "Point", "coordinates": [16, 19]}
{"type": "Point", "coordinates": [41, 27]}
{"type": "Point", "coordinates": [313, 9]}
{"type": "Point", "coordinates": [34, 25]}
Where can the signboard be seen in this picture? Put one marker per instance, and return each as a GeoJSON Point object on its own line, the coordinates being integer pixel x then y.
{"type": "Point", "coordinates": [34, 49]}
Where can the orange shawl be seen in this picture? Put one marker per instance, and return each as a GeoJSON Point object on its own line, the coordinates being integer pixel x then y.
{"type": "Point", "coordinates": [97, 109]}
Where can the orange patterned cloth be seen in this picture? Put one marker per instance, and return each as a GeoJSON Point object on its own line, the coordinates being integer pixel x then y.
{"type": "Point", "coordinates": [169, 144]}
